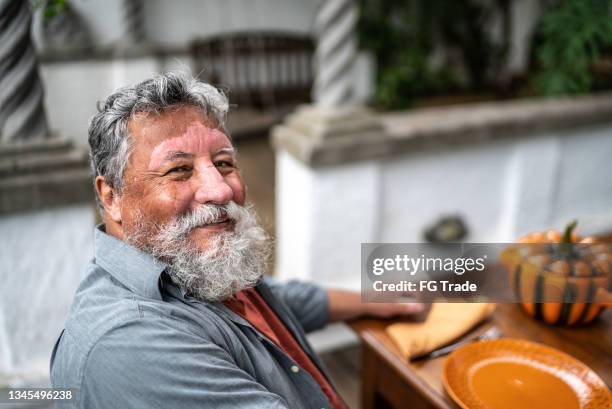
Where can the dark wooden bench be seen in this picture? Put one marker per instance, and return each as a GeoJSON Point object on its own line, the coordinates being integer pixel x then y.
{"type": "Point", "coordinates": [264, 73]}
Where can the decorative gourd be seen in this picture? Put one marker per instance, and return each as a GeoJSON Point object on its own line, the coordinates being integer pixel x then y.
{"type": "Point", "coordinates": [575, 272]}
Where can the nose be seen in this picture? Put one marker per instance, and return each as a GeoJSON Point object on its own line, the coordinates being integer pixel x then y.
{"type": "Point", "coordinates": [212, 187]}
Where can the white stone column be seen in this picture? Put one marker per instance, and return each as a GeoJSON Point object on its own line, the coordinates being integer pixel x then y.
{"type": "Point", "coordinates": [133, 21]}
{"type": "Point", "coordinates": [335, 53]}
{"type": "Point", "coordinates": [22, 114]}
{"type": "Point", "coordinates": [325, 206]}
{"type": "Point", "coordinates": [324, 203]}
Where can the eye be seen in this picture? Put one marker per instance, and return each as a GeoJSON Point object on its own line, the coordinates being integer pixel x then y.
{"type": "Point", "coordinates": [179, 169]}
{"type": "Point", "coordinates": [223, 164]}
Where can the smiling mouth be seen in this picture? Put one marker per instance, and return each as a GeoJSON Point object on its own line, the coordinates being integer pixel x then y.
{"type": "Point", "coordinates": [225, 221]}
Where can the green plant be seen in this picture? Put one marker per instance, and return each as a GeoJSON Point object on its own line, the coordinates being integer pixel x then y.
{"type": "Point", "coordinates": [404, 34]}
{"type": "Point", "coordinates": [573, 35]}
{"type": "Point", "coordinates": [408, 77]}
{"type": "Point", "coordinates": [51, 8]}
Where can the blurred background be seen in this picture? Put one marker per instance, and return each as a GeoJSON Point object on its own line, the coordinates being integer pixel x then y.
{"type": "Point", "coordinates": [355, 121]}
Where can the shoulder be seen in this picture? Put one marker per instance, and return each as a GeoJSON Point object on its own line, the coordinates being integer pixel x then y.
{"type": "Point", "coordinates": [109, 324]}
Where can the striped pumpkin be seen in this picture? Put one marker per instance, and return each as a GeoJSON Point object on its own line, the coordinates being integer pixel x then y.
{"type": "Point", "coordinates": [574, 272]}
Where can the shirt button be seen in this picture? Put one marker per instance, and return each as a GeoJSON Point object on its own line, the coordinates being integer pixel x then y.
{"type": "Point", "coordinates": [295, 369]}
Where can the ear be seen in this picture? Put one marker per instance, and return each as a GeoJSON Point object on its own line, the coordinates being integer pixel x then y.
{"type": "Point", "coordinates": [109, 198]}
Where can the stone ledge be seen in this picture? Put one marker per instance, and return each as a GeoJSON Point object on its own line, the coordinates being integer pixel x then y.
{"type": "Point", "coordinates": [42, 162]}
{"type": "Point", "coordinates": [476, 122]}
{"type": "Point", "coordinates": [321, 137]}
{"type": "Point", "coordinates": [43, 174]}
{"type": "Point", "coordinates": [53, 144]}
{"type": "Point", "coordinates": [110, 52]}
{"type": "Point", "coordinates": [431, 127]}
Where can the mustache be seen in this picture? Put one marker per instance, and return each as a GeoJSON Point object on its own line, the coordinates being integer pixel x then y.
{"type": "Point", "coordinates": [207, 214]}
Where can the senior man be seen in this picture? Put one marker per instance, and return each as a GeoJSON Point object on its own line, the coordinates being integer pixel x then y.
{"type": "Point", "coordinates": [173, 310]}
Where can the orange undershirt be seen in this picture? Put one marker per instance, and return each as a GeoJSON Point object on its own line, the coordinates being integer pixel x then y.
{"type": "Point", "coordinates": [253, 308]}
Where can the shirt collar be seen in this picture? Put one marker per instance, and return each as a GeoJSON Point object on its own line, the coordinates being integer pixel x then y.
{"type": "Point", "coordinates": [132, 267]}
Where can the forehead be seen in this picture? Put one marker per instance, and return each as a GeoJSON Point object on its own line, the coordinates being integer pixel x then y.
{"type": "Point", "coordinates": [184, 129]}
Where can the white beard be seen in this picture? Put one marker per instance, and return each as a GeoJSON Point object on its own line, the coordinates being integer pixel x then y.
{"type": "Point", "coordinates": [233, 260]}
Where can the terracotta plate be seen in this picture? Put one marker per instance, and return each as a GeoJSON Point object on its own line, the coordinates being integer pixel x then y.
{"type": "Point", "coordinates": [512, 374]}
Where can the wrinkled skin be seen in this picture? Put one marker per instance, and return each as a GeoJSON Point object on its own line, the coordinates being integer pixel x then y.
{"type": "Point", "coordinates": [180, 159]}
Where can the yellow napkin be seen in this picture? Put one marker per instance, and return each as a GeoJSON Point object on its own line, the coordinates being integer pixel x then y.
{"type": "Point", "coordinates": [445, 323]}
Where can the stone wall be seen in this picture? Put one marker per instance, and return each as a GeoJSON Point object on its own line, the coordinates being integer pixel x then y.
{"type": "Point", "coordinates": [74, 87]}
{"type": "Point", "coordinates": [505, 168]}
{"type": "Point", "coordinates": [47, 216]}
{"type": "Point", "coordinates": [176, 23]}
{"type": "Point", "coordinates": [43, 254]}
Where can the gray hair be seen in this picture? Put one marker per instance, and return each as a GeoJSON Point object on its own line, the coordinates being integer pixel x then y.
{"type": "Point", "coordinates": [109, 141]}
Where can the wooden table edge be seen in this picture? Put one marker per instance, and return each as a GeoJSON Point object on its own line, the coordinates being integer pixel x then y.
{"type": "Point", "coordinates": [398, 364]}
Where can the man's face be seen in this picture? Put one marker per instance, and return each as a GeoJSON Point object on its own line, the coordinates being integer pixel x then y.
{"type": "Point", "coordinates": [179, 161]}
{"type": "Point", "coordinates": [183, 202]}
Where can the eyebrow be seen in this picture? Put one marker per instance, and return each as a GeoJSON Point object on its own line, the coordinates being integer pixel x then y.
{"type": "Point", "coordinates": [231, 151]}
{"type": "Point", "coordinates": [173, 155]}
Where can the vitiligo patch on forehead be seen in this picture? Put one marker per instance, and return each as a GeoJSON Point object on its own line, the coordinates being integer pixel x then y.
{"type": "Point", "coordinates": [197, 140]}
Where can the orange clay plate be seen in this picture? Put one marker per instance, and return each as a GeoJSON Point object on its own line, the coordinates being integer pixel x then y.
{"type": "Point", "coordinates": [512, 373]}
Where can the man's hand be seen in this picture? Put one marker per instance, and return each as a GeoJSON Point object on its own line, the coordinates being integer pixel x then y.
{"type": "Point", "coordinates": [389, 310]}
{"type": "Point", "coordinates": [347, 305]}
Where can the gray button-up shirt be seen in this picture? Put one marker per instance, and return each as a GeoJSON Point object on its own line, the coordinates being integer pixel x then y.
{"type": "Point", "coordinates": [133, 339]}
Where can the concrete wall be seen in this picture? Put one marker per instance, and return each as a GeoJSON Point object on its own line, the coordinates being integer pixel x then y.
{"type": "Point", "coordinates": [175, 23]}
{"type": "Point", "coordinates": [502, 189]}
{"type": "Point", "coordinates": [73, 88]}
{"type": "Point", "coordinates": [42, 255]}
{"type": "Point", "coordinates": [200, 18]}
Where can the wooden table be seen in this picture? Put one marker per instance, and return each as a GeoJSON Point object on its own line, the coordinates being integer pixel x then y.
{"type": "Point", "coordinates": [389, 381]}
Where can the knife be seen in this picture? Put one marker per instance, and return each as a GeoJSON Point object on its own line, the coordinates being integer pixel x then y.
{"type": "Point", "coordinates": [491, 333]}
